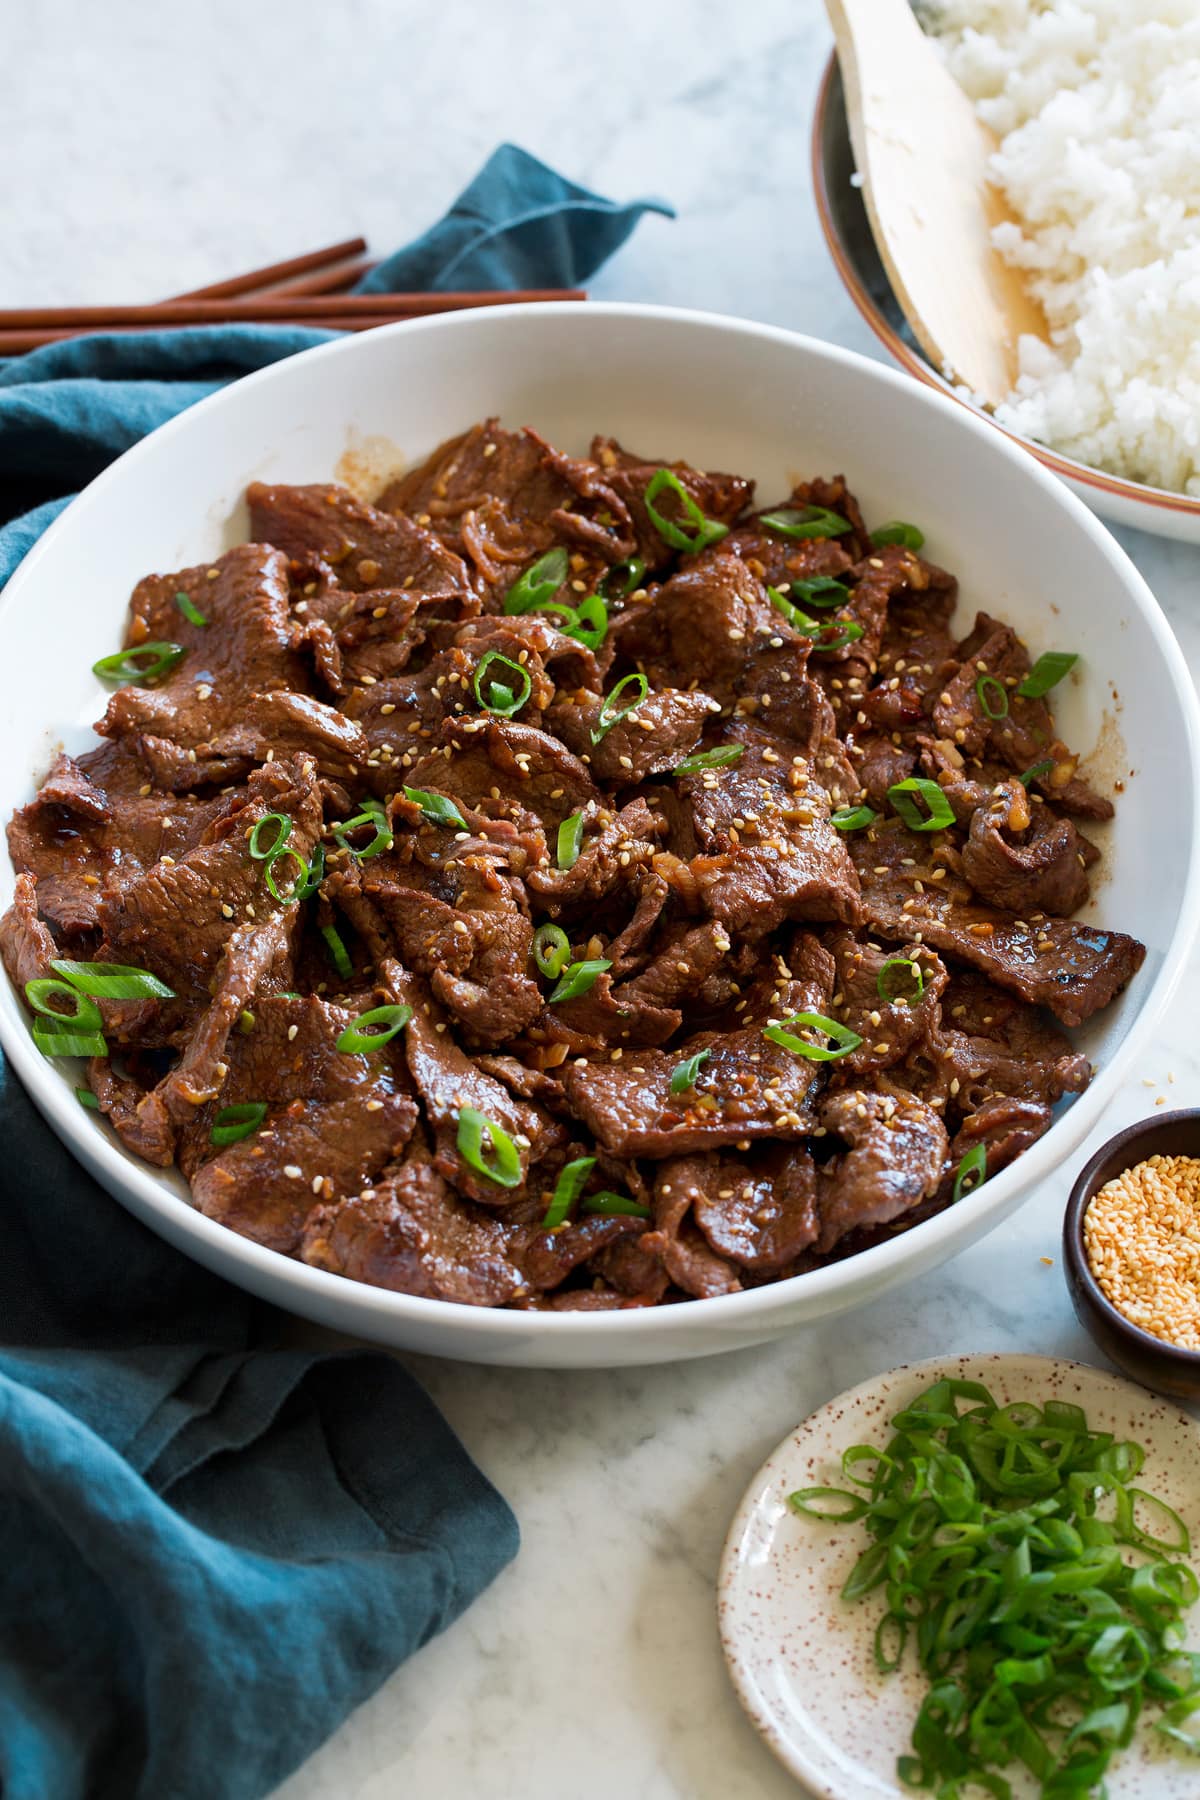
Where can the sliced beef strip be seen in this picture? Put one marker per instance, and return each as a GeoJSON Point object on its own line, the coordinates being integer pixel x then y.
{"type": "Point", "coordinates": [1006, 1127]}
{"type": "Point", "coordinates": [148, 1120]}
{"type": "Point", "coordinates": [1071, 968]}
{"type": "Point", "coordinates": [720, 497]}
{"type": "Point", "coordinates": [880, 764]}
{"type": "Point", "coordinates": [651, 740]}
{"type": "Point", "coordinates": [447, 1081]}
{"type": "Point", "coordinates": [888, 1028]}
{"type": "Point", "coordinates": [1025, 736]}
{"type": "Point", "coordinates": [410, 1232]}
{"type": "Point", "coordinates": [767, 850]}
{"type": "Point", "coordinates": [989, 1043]}
{"type": "Point", "coordinates": [897, 1152]}
{"type": "Point", "coordinates": [916, 657]}
{"type": "Point", "coordinates": [455, 916]}
{"type": "Point", "coordinates": [875, 584]}
{"type": "Point", "coordinates": [97, 824]}
{"type": "Point", "coordinates": [779, 561]}
{"type": "Point", "coordinates": [531, 638]}
{"type": "Point", "coordinates": [378, 632]}
{"type": "Point", "coordinates": [25, 941]}
{"type": "Point", "coordinates": [588, 1024]}
{"type": "Point", "coordinates": [503, 477]}
{"type": "Point", "coordinates": [1020, 857]}
{"type": "Point", "coordinates": [506, 770]}
{"type": "Point", "coordinates": [713, 627]}
{"type": "Point", "coordinates": [687, 1257]}
{"type": "Point", "coordinates": [494, 997]}
{"type": "Point", "coordinates": [367, 548]}
{"type": "Point", "coordinates": [177, 918]}
{"type": "Point", "coordinates": [354, 1117]}
{"type": "Point", "coordinates": [616, 855]}
{"type": "Point", "coordinates": [758, 1211]}
{"type": "Point", "coordinates": [748, 1087]}
{"type": "Point", "coordinates": [239, 692]}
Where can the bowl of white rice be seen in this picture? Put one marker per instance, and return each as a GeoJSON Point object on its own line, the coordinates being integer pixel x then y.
{"type": "Point", "coordinates": [1096, 108]}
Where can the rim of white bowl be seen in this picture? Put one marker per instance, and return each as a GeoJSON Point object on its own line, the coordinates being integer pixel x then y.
{"type": "Point", "coordinates": [77, 1127]}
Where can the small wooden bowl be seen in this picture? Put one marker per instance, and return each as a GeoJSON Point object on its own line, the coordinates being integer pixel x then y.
{"type": "Point", "coordinates": [1163, 1367]}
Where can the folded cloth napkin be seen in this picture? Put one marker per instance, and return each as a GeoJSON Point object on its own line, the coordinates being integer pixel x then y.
{"type": "Point", "coordinates": [213, 1549]}
{"type": "Point", "coordinates": [67, 410]}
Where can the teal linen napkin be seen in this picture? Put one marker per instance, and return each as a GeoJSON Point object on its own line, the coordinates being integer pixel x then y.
{"type": "Point", "coordinates": [212, 1549]}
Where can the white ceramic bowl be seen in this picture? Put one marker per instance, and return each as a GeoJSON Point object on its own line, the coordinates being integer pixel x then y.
{"type": "Point", "coordinates": [725, 394]}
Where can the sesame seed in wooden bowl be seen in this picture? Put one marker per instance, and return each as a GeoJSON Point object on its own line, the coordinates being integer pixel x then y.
{"type": "Point", "coordinates": [1131, 1248]}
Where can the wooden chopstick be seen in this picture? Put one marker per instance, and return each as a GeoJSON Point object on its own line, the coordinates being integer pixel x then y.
{"type": "Point", "coordinates": [266, 310]}
{"type": "Point", "coordinates": [259, 280]}
{"type": "Point", "coordinates": [337, 279]}
{"type": "Point", "coordinates": [17, 341]}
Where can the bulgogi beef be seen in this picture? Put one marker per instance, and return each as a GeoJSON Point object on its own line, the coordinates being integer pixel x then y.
{"type": "Point", "coordinates": [562, 886]}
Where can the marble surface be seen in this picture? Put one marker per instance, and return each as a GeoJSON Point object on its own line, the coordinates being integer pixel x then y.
{"type": "Point", "coordinates": [150, 150]}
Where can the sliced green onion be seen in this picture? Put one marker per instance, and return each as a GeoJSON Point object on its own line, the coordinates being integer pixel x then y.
{"type": "Point", "coordinates": [498, 696]}
{"type": "Point", "coordinates": [1036, 772]}
{"type": "Point", "coordinates": [372, 813]}
{"type": "Point", "coordinates": [128, 665]}
{"type": "Point", "coordinates": [844, 631]}
{"type": "Point", "coordinates": [1046, 673]}
{"type": "Point", "coordinates": [610, 713]}
{"type": "Point", "coordinates": [54, 1040]}
{"type": "Point", "coordinates": [971, 1172]}
{"type": "Point", "coordinates": [436, 807]}
{"type": "Point", "coordinates": [722, 756]}
{"type": "Point", "coordinates": [233, 1123]}
{"type": "Point", "coordinates": [189, 609]}
{"type": "Point", "coordinates": [589, 626]}
{"type": "Point", "coordinates": [611, 1205]}
{"type": "Point", "coordinates": [314, 874]}
{"type": "Point", "coordinates": [540, 582]}
{"type": "Point", "coordinates": [884, 983]}
{"type": "Point", "coordinates": [853, 818]}
{"type": "Point", "coordinates": [567, 1190]}
{"type": "Point", "coordinates": [246, 1021]}
{"type": "Point", "coordinates": [941, 813]}
{"type": "Point", "coordinates": [821, 590]}
{"type": "Point", "coordinates": [683, 1075]}
{"type": "Point", "coordinates": [283, 831]}
{"type": "Point", "coordinates": [992, 697]}
{"type": "Point", "coordinates": [84, 1014]}
{"type": "Point", "coordinates": [897, 531]}
{"type": "Point", "coordinates": [86, 1098]}
{"type": "Point", "coordinates": [704, 531]}
{"type": "Point", "coordinates": [570, 841]}
{"type": "Point", "coordinates": [339, 956]}
{"type": "Point", "coordinates": [113, 981]}
{"type": "Point", "coordinates": [622, 579]}
{"type": "Point", "coordinates": [578, 978]}
{"type": "Point", "coordinates": [356, 1039]}
{"type": "Point", "coordinates": [842, 1039]}
{"type": "Point", "coordinates": [1039, 1640]}
{"type": "Point", "coordinates": [551, 950]}
{"type": "Point", "coordinates": [805, 522]}
{"type": "Point", "coordinates": [505, 1167]}
{"type": "Point", "coordinates": [300, 885]}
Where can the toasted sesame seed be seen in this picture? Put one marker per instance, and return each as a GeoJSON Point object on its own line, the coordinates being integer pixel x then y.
{"type": "Point", "coordinates": [293, 1172]}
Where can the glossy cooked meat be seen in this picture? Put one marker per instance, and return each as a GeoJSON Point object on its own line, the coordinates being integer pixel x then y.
{"type": "Point", "coordinates": [588, 776]}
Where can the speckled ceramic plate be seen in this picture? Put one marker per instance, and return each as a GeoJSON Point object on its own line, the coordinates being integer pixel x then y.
{"type": "Point", "coordinates": [801, 1659]}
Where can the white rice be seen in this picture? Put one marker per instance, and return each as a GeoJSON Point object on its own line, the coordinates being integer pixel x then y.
{"type": "Point", "coordinates": [1097, 107]}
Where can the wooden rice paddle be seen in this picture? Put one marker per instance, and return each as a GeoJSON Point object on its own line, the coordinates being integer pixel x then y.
{"type": "Point", "coordinates": [923, 154]}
